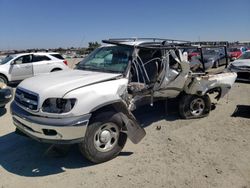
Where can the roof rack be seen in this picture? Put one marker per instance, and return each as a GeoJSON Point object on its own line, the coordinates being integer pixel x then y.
{"type": "Point", "coordinates": [147, 42]}
{"type": "Point", "coordinates": [159, 43]}
{"type": "Point", "coordinates": [134, 39]}
{"type": "Point", "coordinates": [211, 43]}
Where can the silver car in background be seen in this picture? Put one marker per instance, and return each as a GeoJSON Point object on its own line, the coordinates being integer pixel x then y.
{"type": "Point", "coordinates": [242, 66]}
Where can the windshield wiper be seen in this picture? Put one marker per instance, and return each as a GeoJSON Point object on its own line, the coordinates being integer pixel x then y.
{"type": "Point", "coordinates": [89, 67]}
{"type": "Point", "coordinates": [111, 71]}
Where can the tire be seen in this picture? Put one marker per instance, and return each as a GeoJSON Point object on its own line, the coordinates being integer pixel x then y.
{"type": "Point", "coordinates": [103, 138]}
{"type": "Point", "coordinates": [3, 79]}
{"type": "Point", "coordinates": [194, 106]}
{"type": "Point", "coordinates": [216, 64]}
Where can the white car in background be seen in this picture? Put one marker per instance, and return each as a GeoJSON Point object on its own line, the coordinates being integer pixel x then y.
{"type": "Point", "coordinates": [242, 66]}
{"type": "Point", "coordinates": [17, 67]}
{"type": "Point", "coordinates": [1, 58]}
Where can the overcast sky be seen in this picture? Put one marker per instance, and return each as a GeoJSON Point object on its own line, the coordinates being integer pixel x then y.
{"type": "Point", "coordinates": [65, 23]}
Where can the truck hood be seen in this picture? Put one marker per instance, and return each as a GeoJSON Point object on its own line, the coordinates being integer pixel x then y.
{"type": "Point", "coordinates": [56, 84]}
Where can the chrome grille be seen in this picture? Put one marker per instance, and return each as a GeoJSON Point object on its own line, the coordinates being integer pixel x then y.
{"type": "Point", "coordinates": [26, 99]}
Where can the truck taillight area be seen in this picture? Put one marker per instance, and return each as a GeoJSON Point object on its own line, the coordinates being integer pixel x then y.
{"type": "Point", "coordinates": [65, 62]}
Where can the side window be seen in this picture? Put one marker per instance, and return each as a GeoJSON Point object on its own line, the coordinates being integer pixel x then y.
{"type": "Point", "coordinates": [37, 58]}
{"type": "Point", "coordinates": [23, 59]}
{"type": "Point", "coordinates": [147, 55]}
{"type": "Point", "coordinates": [58, 56]}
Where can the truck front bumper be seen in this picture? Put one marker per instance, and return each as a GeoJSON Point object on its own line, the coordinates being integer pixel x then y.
{"type": "Point", "coordinates": [66, 130]}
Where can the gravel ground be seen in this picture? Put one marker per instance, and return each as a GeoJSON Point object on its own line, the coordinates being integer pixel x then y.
{"type": "Point", "coordinates": [208, 152]}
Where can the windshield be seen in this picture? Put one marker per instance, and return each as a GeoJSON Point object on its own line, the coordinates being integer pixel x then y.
{"type": "Point", "coordinates": [245, 55]}
{"type": "Point", "coordinates": [6, 59]}
{"type": "Point", "coordinates": [107, 59]}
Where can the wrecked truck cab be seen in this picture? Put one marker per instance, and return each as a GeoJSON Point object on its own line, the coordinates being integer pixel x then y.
{"type": "Point", "coordinates": [92, 105]}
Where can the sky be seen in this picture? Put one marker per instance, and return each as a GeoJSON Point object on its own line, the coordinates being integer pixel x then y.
{"type": "Point", "coordinates": [73, 23]}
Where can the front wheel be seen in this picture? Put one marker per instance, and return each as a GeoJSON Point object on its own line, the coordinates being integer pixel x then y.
{"type": "Point", "coordinates": [194, 106]}
{"type": "Point", "coordinates": [104, 139]}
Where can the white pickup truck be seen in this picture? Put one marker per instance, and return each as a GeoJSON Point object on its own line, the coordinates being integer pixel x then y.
{"type": "Point", "coordinates": [93, 105]}
{"type": "Point", "coordinates": [17, 67]}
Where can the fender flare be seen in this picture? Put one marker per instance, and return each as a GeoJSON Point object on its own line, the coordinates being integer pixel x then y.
{"type": "Point", "coordinates": [132, 128]}
{"type": "Point", "coordinates": [222, 90]}
{"type": "Point", "coordinates": [216, 89]}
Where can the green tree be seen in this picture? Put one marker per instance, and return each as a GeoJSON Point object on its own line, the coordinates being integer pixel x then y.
{"type": "Point", "coordinates": [92, 46]}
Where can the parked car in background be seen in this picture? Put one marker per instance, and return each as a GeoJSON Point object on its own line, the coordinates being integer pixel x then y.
{"type": "Point", "coordinates": [5, 94]}
{"type": "Point", "coordinates": [193, 52]}
{"type": "Point", "coordinates": [234, 53]}
{"type": "Point", "coordinates": [215, 57]}
{"type": "Point", "coordinates": [17, 67]}
{"type": "Point", "coordinates": [1, 58]}
{"type": "Point", "coordinates": [212, 57]}
{"type": "Point", "coordinates": [242, 66]}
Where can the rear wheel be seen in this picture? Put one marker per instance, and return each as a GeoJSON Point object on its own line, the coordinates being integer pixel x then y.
{"type": "Point", "coordinates": [194, 106]}
{"type": "Point", "coordinates": [216, 64]}
{"type": "Point", "coordinates": [3, 79]}
{"type": "Point", "coordinates": [103, 139]}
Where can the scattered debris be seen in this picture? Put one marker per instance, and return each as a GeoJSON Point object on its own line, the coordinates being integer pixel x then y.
{"type": "Point", "coordinates": [158, 127]}
{"type": "Point", "coordinates": [218, 171]}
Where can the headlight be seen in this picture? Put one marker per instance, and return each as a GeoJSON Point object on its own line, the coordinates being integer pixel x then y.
{"type": "Point", "coordinates": [58, 105]}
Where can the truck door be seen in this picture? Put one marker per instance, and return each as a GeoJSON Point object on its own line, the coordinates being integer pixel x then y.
{"type": "Point", "coordinates": [21, 68]}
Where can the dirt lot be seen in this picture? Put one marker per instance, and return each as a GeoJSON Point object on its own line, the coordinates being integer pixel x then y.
{"type": "Point", "coordinates": [207, 152]}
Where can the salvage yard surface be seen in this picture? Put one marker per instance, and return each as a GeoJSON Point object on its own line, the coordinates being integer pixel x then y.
{"type": "Point", "coordinates": [209, 152]}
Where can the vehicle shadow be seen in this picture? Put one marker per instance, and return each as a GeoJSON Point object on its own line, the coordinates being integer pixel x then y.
{"type": "Point", "coordinates": [243, 81]}
{"type": "Point", "coordinates": [25, 157]}
{"type": "Point", "coordinates": [2, 111]}
{"type": "Point", "coordinates": [146, 114]}
{"type": "Point", "coordinates": [13, 85]}
{"type": "Point", "coordinates": [242, 111]}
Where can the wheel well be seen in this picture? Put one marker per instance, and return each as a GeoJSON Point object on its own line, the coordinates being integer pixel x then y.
{"type": "Point", "coordinates": [4, 77]}
{"type": "Point", "coordinates": [55, 69]}
{"type": "Point", "coordinates": [114, 107]}
{"type": "Point", "coordinates": [100, 110]}
{"type": "Point", "coordinates": [215, 90]}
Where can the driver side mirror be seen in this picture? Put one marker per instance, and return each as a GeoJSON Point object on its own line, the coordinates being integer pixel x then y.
{"type": "Point", "coordinates": [12, 62]}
